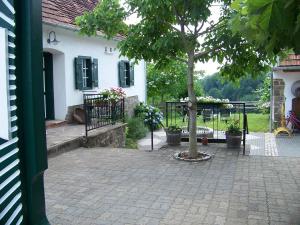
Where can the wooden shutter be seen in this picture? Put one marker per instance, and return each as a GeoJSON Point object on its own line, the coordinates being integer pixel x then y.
{"type": "Point", "coordinates": [11, 210]}
{"type": "Point", "coordinates": [122, 75]}
{"type": "Point", "coordinates": [78, 62]}
{"type": "Point", "coordinates": [95, 73]}
{"type": "Point", "coordinates": [132, 74]}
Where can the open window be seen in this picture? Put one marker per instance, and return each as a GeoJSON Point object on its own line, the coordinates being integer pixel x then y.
{"type": "Point", "coordinates": [86, 73]}
{"type": "Point", "coordinates": [126, 74]}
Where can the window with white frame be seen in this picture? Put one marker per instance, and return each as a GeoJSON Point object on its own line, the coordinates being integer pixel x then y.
{"type": "Point", "coordinates": [86, 73]}
{"type": "Point", "coordinates": [126, 74]}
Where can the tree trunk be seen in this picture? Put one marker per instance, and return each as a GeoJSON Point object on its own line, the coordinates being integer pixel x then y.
{"type": "Point", "coordinates": [192, 107]}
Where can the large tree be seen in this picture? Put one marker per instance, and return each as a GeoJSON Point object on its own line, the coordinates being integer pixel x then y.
{"type": "Point", "coordinates": [274, 25]}
{"type": "Point", "coordinates": [177, 29]}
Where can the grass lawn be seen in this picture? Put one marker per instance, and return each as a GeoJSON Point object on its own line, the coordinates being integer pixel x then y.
{"type": "Point", "coordinates": [256, 122]}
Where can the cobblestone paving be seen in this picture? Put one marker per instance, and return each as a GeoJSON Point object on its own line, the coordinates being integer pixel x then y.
{"type": "Point", "coordinates": [264, 144]}
{"type": "Point", "coordinates": [117, 186]}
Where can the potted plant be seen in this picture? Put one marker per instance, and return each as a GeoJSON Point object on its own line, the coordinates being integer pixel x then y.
{"type": "Point", "coordinates": [234, 135]}
{"type": "Point", "coordinates": [173, 135]}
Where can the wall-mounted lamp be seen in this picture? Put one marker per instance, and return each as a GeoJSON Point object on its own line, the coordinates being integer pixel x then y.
{"type": "Point", "coordinates": [52, 38]}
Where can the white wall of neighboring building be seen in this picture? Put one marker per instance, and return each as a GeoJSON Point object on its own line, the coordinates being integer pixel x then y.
{"type": "Point", "coordinates": [289, 79]}
{"type": "Point", "coordinates": [72, 45]}
{"type": "Point", "coordinates": [4, 87]}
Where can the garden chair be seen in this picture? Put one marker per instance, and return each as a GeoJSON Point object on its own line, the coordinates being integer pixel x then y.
{"type": "Point", "coordinates": [225, 115]}
{"type": "Point", "coordinates": [207, 115]}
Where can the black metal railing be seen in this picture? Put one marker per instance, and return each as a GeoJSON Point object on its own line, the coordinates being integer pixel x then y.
{"type": "Point", "coordinates": [212, 119]}
{"type": "Point", "coordinates": [100, 111]}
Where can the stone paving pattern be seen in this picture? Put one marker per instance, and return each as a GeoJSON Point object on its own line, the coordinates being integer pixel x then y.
{"type": "Point", "coordinates": [256, 143]}
{"type": "Point", "coordinates": [120, 186]}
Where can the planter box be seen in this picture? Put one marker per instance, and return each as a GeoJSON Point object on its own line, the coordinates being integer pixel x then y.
{"type": "Point", "coordinates": [233, 141]}
{"type": "Point", "coordinates": [173, 139]}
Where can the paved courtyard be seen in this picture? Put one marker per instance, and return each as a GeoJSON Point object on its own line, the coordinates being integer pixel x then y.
{"type": "Point", "coordinates": [264, 144]}
{"type": "Point", "coordinates": [120, 186]}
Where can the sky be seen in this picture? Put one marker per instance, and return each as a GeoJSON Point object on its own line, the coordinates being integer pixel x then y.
{"type": "Point", "coordinates": [209, 67]}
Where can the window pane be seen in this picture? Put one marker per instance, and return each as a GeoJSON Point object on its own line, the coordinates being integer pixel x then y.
{"type": "Point", "coordinates": [127, 74]}
{"type": "Point", "coordinates": [84, 73]}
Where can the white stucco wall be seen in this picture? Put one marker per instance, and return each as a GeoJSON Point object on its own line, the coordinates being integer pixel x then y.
{"type": "Point", "coordinates": [289, 79]}
{"type": "Point", "coordinates": [72, 45]}
{"type": "Point", "coordinates": [4, 87]}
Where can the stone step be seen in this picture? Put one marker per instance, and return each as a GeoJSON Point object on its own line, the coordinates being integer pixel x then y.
{"type": "Point", "coordinates": [55, 123]}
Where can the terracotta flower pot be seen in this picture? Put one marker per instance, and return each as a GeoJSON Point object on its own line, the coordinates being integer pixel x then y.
{"type": "Point", "coordinates": [204, 141]}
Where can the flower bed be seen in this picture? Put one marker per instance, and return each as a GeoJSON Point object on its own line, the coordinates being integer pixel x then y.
{"type": "Point", "coordinates": [210, 100]}
{"type": "Point", "coordinates": [113, 94]}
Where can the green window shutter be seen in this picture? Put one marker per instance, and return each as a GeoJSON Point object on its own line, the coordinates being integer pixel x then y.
{"type": "Point", "coordinates": [78, 73]}
{"type": "Point", "coordinates": [95, 73]}
{"type": "Point", "coordinates": [122, 68]}
{"type": "Point", "coordinates": [132, 74]}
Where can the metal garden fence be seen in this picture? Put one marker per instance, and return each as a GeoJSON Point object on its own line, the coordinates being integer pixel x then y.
{"type": "Point", "coordinates": [100, 111]}
{"type": "Point", "coordinates": [212, 119]}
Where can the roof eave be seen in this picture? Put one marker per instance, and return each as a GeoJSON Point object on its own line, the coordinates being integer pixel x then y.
{"type": "Point", "coordinates": [287, 68]}
{"type": "Point", "coordinates": [76, 29]}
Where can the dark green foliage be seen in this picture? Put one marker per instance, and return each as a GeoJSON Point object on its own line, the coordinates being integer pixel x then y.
{"type": "Point", "coordinates": [234, 128]}
{"type": "Point", "coordinates": [173, 129]}
{"type": "Point", "coordinates": [140, 109]}
{"type": "Point", "coordinates": [131, 143]}
{"type": "Point", "coordinates": [136, 128]}
{"type": "Point", "coordinates": [269, 24]}
{"type": "Point", "coordinates": [244, 89]}
{"type": "Point", "coordinates": [169, 82]}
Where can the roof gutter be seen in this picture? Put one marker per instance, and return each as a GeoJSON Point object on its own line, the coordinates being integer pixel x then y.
{"type": "Point", "coordinates": [76, 29]}
{"type": "Point", "coordinates": [287, 68]}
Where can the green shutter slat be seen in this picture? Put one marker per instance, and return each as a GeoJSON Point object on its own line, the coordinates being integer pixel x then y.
{"type": "Point", "coordinates": [11, 211]}
{"type": "Point", "coordinates": [95, 73]}
{"type": "Point", "coordinates": [132, 74]}
{"type": "Point", "coordinates": [122, 68]}
{"type": "Point", "coordinates": [10, 179]}
{"type": "Point", "coordinates": [78, 73]}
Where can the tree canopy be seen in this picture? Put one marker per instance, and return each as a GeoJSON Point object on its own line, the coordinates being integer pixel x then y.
{"type": "Point", "coordinates": [169, 82]}
{"type": "Point", "coordinates": [274, 25]}
{"type": "Point", "coordinates": [171, 29]}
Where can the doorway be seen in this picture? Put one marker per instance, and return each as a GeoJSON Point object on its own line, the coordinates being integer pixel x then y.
{"type": "Point", "coordinates": [48, 85]}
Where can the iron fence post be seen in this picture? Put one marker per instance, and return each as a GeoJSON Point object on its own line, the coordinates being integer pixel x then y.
{"type": "Point", "coordinates": [244, 128]}
{"type": "Point", "coordinates": [167, 117]}
{"type": "Point", "coordinates": [85, 115]}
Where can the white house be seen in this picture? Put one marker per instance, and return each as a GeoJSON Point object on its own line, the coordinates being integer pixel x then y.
{"type": "Point", "coordinates": [286, 89]}
{"type": "Point", "coordinates": [75, 64]}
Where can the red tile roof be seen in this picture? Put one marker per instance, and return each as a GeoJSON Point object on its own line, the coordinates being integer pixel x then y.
{"type": "Point", "coordinates": [292, 60]}
{"type": "Point", "coordinates": [65, 11]}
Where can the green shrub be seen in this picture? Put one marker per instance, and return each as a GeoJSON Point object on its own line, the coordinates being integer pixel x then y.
{"type": "Point", "coordinates": [130, 143]}
{"type": "Point", "coordinates": [136, 128]}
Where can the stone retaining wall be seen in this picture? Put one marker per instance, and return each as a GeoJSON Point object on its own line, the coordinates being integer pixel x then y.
{"type": "Point", "coordinates": [112, 136]}
{"type": "Point", "coordinates": [109, 136]}
{"type": "Point", "coordinates": [130, 104]}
